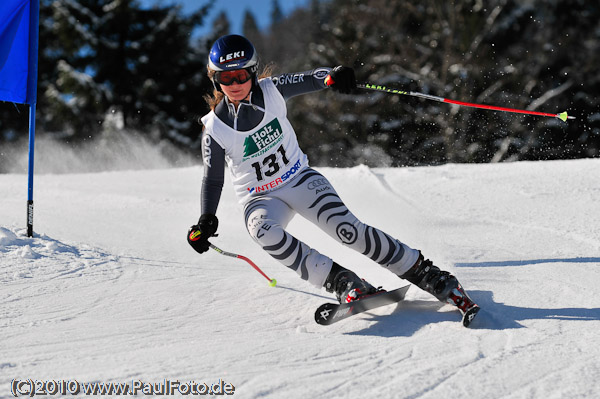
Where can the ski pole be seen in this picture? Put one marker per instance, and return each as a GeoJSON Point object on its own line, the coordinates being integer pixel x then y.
{"type": "Point", "coordinates": [368, 86]}
{"type": "Point", "coordinates": [272, 282]}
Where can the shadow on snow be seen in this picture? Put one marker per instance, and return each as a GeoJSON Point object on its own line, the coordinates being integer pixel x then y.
{"type": "Point", "coordinates": [513, 263]}
{"type": "Point", "coordinates": [410, 316]}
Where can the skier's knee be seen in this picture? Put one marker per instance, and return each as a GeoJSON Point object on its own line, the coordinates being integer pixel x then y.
{"type": "Point", "coordinates": [350, 233]}
{"type": "Point", "coordinates": [258, 227]}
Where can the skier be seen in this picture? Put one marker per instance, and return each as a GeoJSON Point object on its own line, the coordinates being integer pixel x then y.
{"type": "Point", "coordinates": [248, 128]}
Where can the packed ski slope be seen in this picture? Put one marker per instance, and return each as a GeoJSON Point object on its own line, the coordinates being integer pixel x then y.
{"type": "Point", "coordinates": [109, 291]}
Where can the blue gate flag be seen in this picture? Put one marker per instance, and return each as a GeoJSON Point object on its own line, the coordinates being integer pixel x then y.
{"type": "Point", "coordinates": [19, 32]}
{"type": "Point", "coordinates": [18, 50]}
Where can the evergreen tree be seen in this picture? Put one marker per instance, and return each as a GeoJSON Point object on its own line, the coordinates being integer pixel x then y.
{"type": "Point", "coordinates": [252, 32]}
{"type": "Point", "coordinates": [98, 57]}
{"type": "Point", "coordinates": [106, 60]}
{"type": "Point", "coordinates": [221, 25]}
{"type": "Point", "coordinates": [504, 52]}
{"type": "Point", "coordinates": [276, 13]}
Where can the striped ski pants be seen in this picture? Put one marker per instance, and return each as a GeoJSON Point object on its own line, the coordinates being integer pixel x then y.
{"type": "Point", "coordinates": [313, 197]}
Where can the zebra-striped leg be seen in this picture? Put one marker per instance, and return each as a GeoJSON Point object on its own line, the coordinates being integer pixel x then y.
{"type": "Point", "coordinates": [313, 196]}
{"type": "Point", "coordinates": [265, 220]}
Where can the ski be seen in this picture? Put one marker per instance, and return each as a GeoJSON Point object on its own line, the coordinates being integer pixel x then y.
{"type": "Point", "coordinates": [469, 315]}
{"type": "Point", "coordinates": [330, 313]}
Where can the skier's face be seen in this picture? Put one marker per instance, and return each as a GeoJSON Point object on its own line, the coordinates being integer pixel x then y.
{"type": "Point", "coordinates": [237, 92]}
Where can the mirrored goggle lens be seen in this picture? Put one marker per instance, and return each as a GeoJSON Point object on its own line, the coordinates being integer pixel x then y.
{"type": "Point", "coordinates": [228, 77]}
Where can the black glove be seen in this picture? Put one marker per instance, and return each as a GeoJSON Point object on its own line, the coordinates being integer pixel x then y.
{"type": "Point", "coordinates": [341, 79]}
{"type": "Point", "coordinates": [199, 234]}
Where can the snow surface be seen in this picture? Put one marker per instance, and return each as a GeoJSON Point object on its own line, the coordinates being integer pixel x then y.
{"type": "Point", "coordinates": [108, 289]}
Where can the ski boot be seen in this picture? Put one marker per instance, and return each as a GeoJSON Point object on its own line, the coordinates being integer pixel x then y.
{"type": "Point", "coordinates": [442, 285]}
{"type": "Point", "coordinates": [346, 285]}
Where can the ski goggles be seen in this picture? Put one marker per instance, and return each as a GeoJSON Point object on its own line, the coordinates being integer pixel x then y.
{"type": "Point", "coordinates": [227, 78]}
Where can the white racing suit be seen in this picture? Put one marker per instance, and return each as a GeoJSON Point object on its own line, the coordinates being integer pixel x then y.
{"type": "Point", "coordinates": [273, 181]}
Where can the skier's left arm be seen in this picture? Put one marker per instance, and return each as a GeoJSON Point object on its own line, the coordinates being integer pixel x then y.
{"type": "Point", "coordinates": [340, 79]}
{"type": "Point", "coordinates": [297, 83]}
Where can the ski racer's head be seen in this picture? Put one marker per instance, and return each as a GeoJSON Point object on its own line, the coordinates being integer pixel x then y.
{"type": "Point", "coordinates": [232, 66]}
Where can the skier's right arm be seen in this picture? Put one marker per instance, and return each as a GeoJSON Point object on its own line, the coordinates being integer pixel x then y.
{"type": "Point", "coordinates": [213, 157]}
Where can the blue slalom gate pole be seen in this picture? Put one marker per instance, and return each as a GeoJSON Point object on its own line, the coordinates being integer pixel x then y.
{"type": "Point", "coordinates": [34, 17]}
{"type": "Point", "coordinates": [30, 170]}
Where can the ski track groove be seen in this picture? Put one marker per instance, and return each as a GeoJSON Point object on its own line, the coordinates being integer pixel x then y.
{"type": "Point", "coordinates": [382, 180]}
{"type": "Point", "coordinates": [427, 215]}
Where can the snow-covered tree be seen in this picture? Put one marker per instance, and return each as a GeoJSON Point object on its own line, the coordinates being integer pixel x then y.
{"type": "Point", "coordinates": [142, 69]}
{"type": "Point", "coordinates": [98, 55]}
